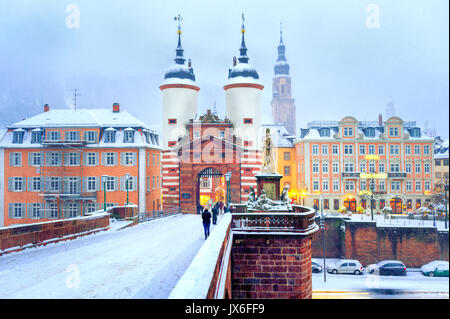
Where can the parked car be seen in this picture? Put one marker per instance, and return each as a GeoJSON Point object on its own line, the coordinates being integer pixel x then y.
{"type": "Point", "coordinates": [346, 266]}
{"type": "Point", "coordinates": [438, 268]}
{"type": "Point", "coordinates": [316, 267]}
{"type": "Point", "coordinates": [387, 268]}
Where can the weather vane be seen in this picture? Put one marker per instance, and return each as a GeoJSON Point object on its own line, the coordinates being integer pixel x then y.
{"type": "Point", "coordinates": [179, 18]}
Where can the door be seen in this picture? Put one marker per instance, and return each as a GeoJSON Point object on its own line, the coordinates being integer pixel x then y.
{"type": "Point", "coordinates": [396, 205]}
{"type": "Point", "coordinates": [343, 268]}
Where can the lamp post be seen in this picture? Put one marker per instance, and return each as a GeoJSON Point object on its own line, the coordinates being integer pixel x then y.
{"type": "Point", "coordinates": [372, 189]}
{"type": "Point", "coordinates": [127, 178]}
{"type": "Point", "coordinates": [322, 225]}
{"type": "Point", "coordinates": [227, 179]}
{"type": "Point", "coordinates": [446, 201]}
{"type": "Point", "coordinates": [104, 180]}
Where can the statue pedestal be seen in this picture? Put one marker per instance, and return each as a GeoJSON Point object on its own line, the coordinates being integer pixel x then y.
{"type": "Point", "coordinates": [270, 183]}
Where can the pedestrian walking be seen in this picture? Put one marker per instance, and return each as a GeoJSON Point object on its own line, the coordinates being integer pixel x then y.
{"type": "Point", "coordinates": [215, 211]}
{"type": "Point", "coordinates": [221, 207]}
{"type": "Point", "coordinates": [206, 217]}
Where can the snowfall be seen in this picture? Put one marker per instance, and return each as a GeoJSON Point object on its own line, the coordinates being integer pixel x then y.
{"type": "Point", "coordinates": [147, 261]}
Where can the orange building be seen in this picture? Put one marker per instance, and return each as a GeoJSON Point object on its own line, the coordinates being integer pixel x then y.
{"type": "Point", "coordinates": [332, 157]}
{"type": "Point", "coordinates": [51, 165]}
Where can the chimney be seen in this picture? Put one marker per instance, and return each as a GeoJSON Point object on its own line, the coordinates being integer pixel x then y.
{"type": "Point", "coordinates": [116, 108]}
{"type": "Point", "coordinates": [46, 108]}
{"type": "Point", "coordinates": [380, 120]}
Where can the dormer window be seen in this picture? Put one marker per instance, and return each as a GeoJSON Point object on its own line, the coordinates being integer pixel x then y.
{"type": "Point", "coordinates": [324, 132]}
{"type": "Point", "coordinates": [348, 131]}
{"type": "Point", "coordinates": [196, 134]}
{"type": "Point", "coordinates": [394, 132]}
{"type": "Point", "coordinates": [110, 135]}
{"type": "Point", "coordinates": [370, 132]}
{"type": "Point", "coordinates": [128, 135]}
{"type": "Point", "coordinates": [415, 132]}
{"type": "Point", "coordinates": [18, 136]}
{"type": "Point", "coordinates": [36, 137]}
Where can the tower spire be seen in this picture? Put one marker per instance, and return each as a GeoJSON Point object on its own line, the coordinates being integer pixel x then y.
{"type": "Point", "coordinates": [281, 33]}
{"type": "Point", "coordinates": [243, 58]}
{"type": "Point", "coordinates": [179, 59]}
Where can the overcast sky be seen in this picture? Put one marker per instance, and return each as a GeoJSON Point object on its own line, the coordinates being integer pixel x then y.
{"type": "Point", "coordinates": [339, 65]}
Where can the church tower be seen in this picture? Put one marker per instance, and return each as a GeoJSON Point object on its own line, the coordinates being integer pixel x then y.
{"type": "Point", "coordinates": [243, 98]}
{"type": "Point", "coordinates": [179, 97]}
{"type": "Point", "coordinates": [283, 105]}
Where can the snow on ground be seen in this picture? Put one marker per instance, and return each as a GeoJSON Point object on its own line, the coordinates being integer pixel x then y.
{"type": "Point", "coordinates": [144, 261]}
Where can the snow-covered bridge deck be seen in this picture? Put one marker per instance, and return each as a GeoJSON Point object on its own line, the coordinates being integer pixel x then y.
{"type": "Point", "coordinates": [144, 261]}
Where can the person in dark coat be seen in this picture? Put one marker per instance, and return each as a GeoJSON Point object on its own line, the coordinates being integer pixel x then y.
{"type": "Point", "coordinates": [206, 216]}
{"type": "Point", "coordinates": [215, 212]}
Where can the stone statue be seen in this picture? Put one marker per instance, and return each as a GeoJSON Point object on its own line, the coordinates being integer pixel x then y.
{"type": "Point", "coordinates": [264, 203]}
{"type": "Point", "coordinates": [268, 159]}
{"type": "Point", "coordinates": [285, 197]}
{"type": "Point", "coordinates": [251, 198]}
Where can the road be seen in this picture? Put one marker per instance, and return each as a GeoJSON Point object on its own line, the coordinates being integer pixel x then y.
{"type": "Point", "coordinates": [413, 285]}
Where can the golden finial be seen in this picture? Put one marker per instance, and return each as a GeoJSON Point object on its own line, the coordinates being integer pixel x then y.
{"type": "Point", "coordinates": [179, 18]}
{"type": "Point", "coordinates": [243, 27]}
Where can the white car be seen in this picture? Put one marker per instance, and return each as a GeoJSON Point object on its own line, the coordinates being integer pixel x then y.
{"type": "Point", "coordinates": [437, 268]}
{"type": "Point", "coordinates": [346, 266]}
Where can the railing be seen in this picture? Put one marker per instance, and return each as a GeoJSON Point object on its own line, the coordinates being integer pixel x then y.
{"type": "Point", "coordinates": [147, 216]}
{"type": "Point", "coordinates": [299, 222]}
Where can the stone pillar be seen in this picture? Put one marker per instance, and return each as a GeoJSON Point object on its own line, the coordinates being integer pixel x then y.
{"type": "Point", "coordinates": [271, 266]}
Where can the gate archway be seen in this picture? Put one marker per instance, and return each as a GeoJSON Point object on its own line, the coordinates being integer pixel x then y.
{"type": "Point", "coordinates": [211, 187]}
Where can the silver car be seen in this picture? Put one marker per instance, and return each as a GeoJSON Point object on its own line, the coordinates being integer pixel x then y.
{"type": "Point", "coordinates": [346, 266]}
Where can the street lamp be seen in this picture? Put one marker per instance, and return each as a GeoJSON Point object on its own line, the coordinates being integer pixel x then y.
{"type": "Point", "coordinates": [127, 178]}
{"type": "Point", "coordinates": [104, 180]}
{"type": "Point", "coordinates": [227, 179]}
{"type": "Point", "coordinates": [372, 189]}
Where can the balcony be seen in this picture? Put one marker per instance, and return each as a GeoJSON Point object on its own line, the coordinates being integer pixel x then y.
{"type": "Point", "coordinates": [299, 222]}
{"type": "Point", "coordinates": [350, 175]}
{"type": "Point", "coordinates": [397, 175]}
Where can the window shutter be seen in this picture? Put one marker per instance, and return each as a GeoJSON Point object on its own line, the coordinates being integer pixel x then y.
{"type": "Point", "coordinates": [122, 184]}
{"type": "Point", "coordinates": [134, 158]}
{"type": "Point", "coordinates": [30, 210]}
{"type": "Point", "coordinates": [102, 186]}
{"type": "Point", "coordinates": [122, 159]}
{"type": "Point", "coordinates": [30, 162]}
{"type": "Point", "coordinates": [30, 184]}
{"type": "Point", "coordinates": [104, 158]}
{"type": "Point", "coordinates": [85, 184]}
{"type": "Point", "coordinates": [59, 159]}
{"type": "Point", "coordinates": [10, 210]}
{"type": "Point", "coordinates": [116, 183]}
{"type": "Point", "coordinates": [97, 183]}
{"type": "Point", "coordinates": [116, 158]}
{"type": "Point", "coordinates": [11, 159]}
{"type": "Point", "coordinates": [96, 158]}
{"type": "Point", "coordinates": [95, 136]}
{"type": "Point", "coordinates": [135, 179]}
{"type": "Point", "coordinates": [66, 158]}
{"type": "Point", "coordinates": [78, 185]}
{"type": "Point", "coordinates": [85, 162]}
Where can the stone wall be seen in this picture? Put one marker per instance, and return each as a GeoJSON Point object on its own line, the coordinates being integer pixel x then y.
{"type": "Point", "coordinates": [271, 266]}
{"type": "Point", "coordinates": [16, 238]}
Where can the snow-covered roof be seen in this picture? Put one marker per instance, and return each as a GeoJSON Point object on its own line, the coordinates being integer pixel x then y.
{"type": "Point", "coordinates": [441, 150]}
{"type": "Point", "coordinates": [80, 118]}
